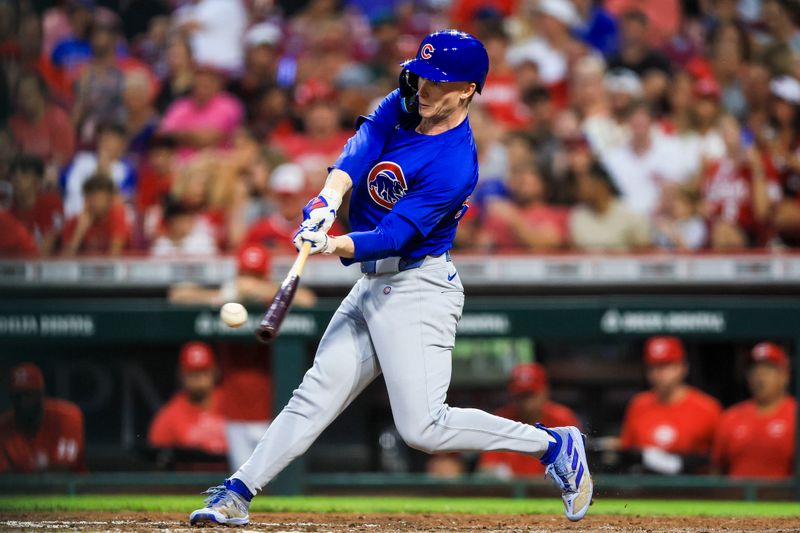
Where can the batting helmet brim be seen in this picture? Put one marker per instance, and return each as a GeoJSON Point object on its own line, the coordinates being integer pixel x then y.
{"type": "Point", "coordinates": [424, 69]}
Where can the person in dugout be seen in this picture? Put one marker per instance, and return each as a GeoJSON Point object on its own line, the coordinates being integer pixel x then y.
{"type": "Point", "coordinates": [530, 403]}
{"type": "Point", "coordinates": [38, 433]}
{"type": "Point", "coordinates": [756, 438]}
{"type": "Point", "coordinates": [670, 428]}
{"type": "Point", "coordinates": [190, 429]}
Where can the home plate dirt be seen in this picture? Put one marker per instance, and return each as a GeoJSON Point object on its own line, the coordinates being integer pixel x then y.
{"type": "Point", "coordinates": [394, 522]}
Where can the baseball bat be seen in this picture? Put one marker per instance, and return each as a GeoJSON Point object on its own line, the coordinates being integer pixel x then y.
{"type": "Point", "coordinates": [270, 323]}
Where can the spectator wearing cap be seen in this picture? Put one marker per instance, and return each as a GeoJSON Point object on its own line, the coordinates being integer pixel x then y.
{"type": "Point", "coordinates": [41, 128]}
{"type": "Point", "coordinates": [98, 90]}
{"type": "Point", "coordinates": [208, 118]}
{"type": "Point", "coordinates": [251, 284]}
{"type": "Point", "coordinates": [609, 129]}
{"type": "Point", "coordinates": [601, 221]}
{"type": "Point", "coordinates": [184, 233]}
{"type": "Point", "coordinates": [530, 404]}
{"type": "Point", "coordinates": [672, 419]}
{"type": "Point", "coordinates": [101, 228]}
{"type": "Point", "coordinates": [550, 49]}
{"type": "Point", "coordinates": [39, 433]}
{"type": "Point", "coordinates": [260, 65]}
{"type": "Point", "coordinates": [191, 420]}
{"type": "Point", "coordinates": [275, 231]}
{"type": "Point", "coordinates": [108, 159]}
{"type": "Point", "coordinates": [703, 143]}
{"type": "Point", "coordinates": [524, 220]}
{"type": "Point", "coordinates": [322, 138]}
{"type": "Point", "coordinates": [738, 193]}
{"type": "Point", "coordinates": [756, 438]}
{"type": "Point", "coordinates": [647, 164]}
{"type": "Point", "coordinates": [37, 208]}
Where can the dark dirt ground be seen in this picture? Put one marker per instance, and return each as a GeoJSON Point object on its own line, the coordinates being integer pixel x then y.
{"type": "Point", "coordinates": [395, 522]}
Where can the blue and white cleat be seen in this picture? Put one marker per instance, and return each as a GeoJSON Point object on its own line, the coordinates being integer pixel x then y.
{"type": "Point", "coordinates": [569, 470]}
{"type": "Point", "coordinates": [226, 505]}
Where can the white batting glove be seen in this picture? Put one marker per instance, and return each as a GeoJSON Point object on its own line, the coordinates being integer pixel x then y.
{"type": "Point", "coordinates": [320, 212]}
{"type": "Point", "coordinates": [320, 241]}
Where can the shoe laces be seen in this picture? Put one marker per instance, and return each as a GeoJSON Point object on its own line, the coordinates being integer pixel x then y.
{"type": "Point", "coordinates": [222, 496]}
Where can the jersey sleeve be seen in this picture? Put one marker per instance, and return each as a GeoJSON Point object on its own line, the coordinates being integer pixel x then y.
{"type": "Point", "coordinates": [363, 149]}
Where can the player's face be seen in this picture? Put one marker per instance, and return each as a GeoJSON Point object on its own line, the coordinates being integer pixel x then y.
{"type": "Point", "coordinates": [767, 382]}
{"type": "Point", "coordinates": [664, 378]}
{"type": "Point", "coordinates": [198, 384]}
{"type": "Point", "coordinates": [438, 100]}
{"type": "Point", "coordinates": [531, 403]}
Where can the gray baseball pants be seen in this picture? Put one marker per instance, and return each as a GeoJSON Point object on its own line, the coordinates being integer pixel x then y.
{"type": "Point", "coordinates": [402, 324]}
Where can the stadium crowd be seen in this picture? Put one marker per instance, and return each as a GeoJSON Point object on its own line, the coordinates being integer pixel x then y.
{"type": "Point", "coordinates": [198, 126]}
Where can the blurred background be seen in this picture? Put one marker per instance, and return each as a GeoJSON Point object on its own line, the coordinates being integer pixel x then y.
{"type": "Point", "coordinates": [628, 253]}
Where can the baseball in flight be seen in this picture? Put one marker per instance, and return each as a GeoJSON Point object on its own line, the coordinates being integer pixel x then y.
{"type": "Point", "coordinates": [233, 314]}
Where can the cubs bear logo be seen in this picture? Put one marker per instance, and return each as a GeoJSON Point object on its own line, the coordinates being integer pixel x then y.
{"type": "Point", "coordinates": [386, 184]}
{"type": "Point", "coordinates": [427, 51]}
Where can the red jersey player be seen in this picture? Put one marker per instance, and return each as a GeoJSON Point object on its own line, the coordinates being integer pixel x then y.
{"type": "Point", "coordinates": [192, 419]}
{"type": "Point", "coordinates": [39, 433]}
{"type": "Point", "coordinates": [672, 416]}
{"type": "Point", "coordinates": [529, 388]}
{"type": "Point", "coordinates": [756, 438]}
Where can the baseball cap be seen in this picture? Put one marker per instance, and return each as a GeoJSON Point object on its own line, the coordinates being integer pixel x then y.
{"type": "Point", "coordinates": [263, 33]}
{"type": "Point", "coordinates": [288, 178]}
{"type": "Point", "coordinates": [786, 88]}
{"type": "Point", "coordinates": [706, 88]}
{"type": "Point", "coordinates": [663, 350]}
{"type": "Point", "coordinates": [769, 352]}
{"type": "Point", "coordinates": [26, 377]}
{"type": "Point", "coordinates": [527, 377]}
{"type": "Point", "coordinates": [623, 80]}
{"type": "Point", "coordinates": [196, 356]}
{"type": "Point", "coordinates": [253, 259]}
{"type": "Point", "coordinates": [562, 10]}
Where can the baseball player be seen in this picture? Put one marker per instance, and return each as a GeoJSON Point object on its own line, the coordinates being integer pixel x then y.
{"type": "Point", "coordinates": [410, 168]}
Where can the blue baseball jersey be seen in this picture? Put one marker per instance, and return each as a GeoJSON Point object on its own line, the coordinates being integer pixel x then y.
{"type": "Point", "coordinates": [409, 189]}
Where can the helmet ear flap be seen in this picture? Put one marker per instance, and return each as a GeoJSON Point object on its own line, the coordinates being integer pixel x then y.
{"type": "Point", "coordinates": [408, 90]}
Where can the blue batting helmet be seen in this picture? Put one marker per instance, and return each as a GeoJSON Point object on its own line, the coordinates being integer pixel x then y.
{"type": "Point", "coordinates": [450, 55]}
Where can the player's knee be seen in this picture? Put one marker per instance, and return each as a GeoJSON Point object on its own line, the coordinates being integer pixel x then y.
{"type": "Point", "coordinates": [422, 437]}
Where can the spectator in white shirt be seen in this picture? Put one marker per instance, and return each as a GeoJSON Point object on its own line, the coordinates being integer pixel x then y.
{"type": "Point", "coordinates": [184, 233]}
{"type": "Point", "coordinates": [216, 32]}
{"type": "Point", "coordinates": [650, 162]}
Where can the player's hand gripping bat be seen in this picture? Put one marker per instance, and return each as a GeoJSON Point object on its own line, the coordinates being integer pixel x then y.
{"type": "Point", "coordinates": [270, 323]}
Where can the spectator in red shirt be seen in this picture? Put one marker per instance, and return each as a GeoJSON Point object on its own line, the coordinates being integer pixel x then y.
{"type": "Point", "coordinates": [756, 438]}
{"type": "Point", "coordinates": [275, 231]}
{"type": "Point", "coordinates": [39, 433]}
{"type": "Point", "coordinates": [37, 209]}
{"type": "Point", "coordinates": [15, 240]}
{"type": "Point", "coordinates": [672, 421]}
{"type": "Point", "coordinates": [101, 227]}
{"type": "Point", "coordinates": [524, 221]}
{"type": "Point", "coordinates": [40, 127]}
{"type": "Point", "coordinates": [531, 404]}
{"type": "Point", "coordinates": [322, 138]}
{"type": "Point", "coordinates": [192, 420]}
{"type": "Point", "coordinates": [501, 95]}
{"type": "Point", "coordinates": [738, 193]}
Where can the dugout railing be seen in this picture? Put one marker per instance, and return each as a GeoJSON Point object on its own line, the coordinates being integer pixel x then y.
{"type": "Point", "coordinates": [29, 325]}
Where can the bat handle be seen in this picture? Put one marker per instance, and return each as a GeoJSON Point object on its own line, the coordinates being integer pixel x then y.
{"type": "Point", "coordinates": [300, 262]}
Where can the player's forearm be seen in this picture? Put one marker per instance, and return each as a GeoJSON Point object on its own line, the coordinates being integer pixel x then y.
{"type": "Point", "coordinates": [343, 246]}
{"type": "Point", "coordinates": [339, 181]}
